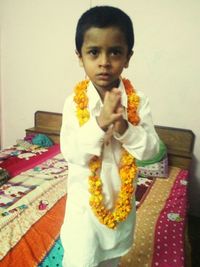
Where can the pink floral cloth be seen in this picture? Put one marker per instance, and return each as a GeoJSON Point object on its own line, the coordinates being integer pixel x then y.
{"type": "Point", "coordinates": [169, 243]}
{"type": "Point", "coordinates": [16, 164]}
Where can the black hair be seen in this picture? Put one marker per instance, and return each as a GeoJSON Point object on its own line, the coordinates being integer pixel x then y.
{"type": "Point", "coordinates": [102, 17]}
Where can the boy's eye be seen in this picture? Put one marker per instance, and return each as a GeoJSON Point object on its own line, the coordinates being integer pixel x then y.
{"type": "Point", "coordinates": [93, 52]}
{"type": "Point", "coordinates": [116, 52]}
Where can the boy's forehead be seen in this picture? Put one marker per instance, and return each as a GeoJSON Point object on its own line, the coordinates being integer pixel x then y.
{"type": "Point", "coordinates": [101, 35]}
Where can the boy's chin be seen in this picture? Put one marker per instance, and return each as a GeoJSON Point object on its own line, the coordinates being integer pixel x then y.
{"type": "Point", "coordinates": [108, 86]}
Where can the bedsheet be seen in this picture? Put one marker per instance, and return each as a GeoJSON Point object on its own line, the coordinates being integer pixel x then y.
{"type": "Point", "coordinates": [18, 158]}
{"type": "Point", "coordinates": [160, 224]}
{"type": "Point", "coordinates": [55, 255]}
{"type": "Point", "coordinates": [32, 206]}
{"type": "Point", "coordinates": [31, 213]}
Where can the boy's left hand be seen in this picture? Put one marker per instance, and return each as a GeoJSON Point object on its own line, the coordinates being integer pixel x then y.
{"type": "Point", "coordinates": [121, 125]}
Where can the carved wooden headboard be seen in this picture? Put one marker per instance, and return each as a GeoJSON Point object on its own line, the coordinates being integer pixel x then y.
{"type": "Point", "coordinates": [179, 142]}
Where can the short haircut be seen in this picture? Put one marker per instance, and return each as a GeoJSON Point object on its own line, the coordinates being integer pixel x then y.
{"type": "Point", "coordinates": [103, 17]}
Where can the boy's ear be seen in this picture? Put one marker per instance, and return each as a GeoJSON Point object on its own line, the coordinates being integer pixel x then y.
{"type": "Point", "coordinates": [79, 58]}
{"type": "Point", "coordinates": [128, 59]}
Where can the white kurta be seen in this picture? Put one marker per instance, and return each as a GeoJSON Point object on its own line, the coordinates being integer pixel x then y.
{"type": "Point", "coordinates": [86, 241]}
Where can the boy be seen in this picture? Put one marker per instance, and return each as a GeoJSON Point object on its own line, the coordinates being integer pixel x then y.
{"type": "Point", "coordinates": [106, 126]}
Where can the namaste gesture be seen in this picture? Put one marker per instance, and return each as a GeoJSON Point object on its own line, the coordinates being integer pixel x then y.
{"type": "Point", "coordinates": [112, 112]}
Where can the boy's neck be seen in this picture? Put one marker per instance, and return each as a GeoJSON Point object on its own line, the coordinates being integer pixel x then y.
{"type": "Point", "coordinates": [102, 91]}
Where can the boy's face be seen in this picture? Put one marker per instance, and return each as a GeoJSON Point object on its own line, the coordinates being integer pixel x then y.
{"type": "Point", "coordinates": [104, 55]}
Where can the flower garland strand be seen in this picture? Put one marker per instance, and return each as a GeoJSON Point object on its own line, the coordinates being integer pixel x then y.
{"type": "Point", "coordinates": [127, 166]}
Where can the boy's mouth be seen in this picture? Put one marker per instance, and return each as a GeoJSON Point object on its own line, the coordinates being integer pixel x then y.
{"type": "Point", "coordinates": [103, 75]}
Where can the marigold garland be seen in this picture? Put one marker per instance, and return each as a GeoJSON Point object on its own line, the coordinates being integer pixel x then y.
{"type": "Point", "coordinates": [127, 169]}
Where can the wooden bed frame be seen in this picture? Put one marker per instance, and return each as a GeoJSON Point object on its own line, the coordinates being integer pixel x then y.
{"type": "Point", "coordinates": [179, 142]}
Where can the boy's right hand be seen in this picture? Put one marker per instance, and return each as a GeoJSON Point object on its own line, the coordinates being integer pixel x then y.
{"type": "Point", "coordinates": [109, 113]}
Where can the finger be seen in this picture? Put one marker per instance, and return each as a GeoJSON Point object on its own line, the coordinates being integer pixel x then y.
{"type": "Point", "coordinates": [115, 99]}
{"type": "Point", "coordinates": [120, 109]}
{"type": "Point", "coordinates": [106, 97]}
{"type": "Point", "coordinates": [116, 117]}
{"type": "Point", "coordinates": [116, 125]}
{"type": "Point", "coordinates": [116, 91]}
{"type": "Point", "coordinates": [107, 102]}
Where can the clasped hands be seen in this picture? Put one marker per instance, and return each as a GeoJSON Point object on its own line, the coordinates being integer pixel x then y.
{"type": "Point", "coordinates": [112, 112]}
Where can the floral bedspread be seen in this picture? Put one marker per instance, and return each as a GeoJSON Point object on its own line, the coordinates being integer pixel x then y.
{"type": "Point", "coordinates": [31, 209]}
{"type": "Point", "coordinates": [160, 226]}
{"type": "Point", "coordinates": [32, 206]}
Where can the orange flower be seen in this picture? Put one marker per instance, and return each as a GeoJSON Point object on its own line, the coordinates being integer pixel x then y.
{"type": "Point", "coordinates": [127, 170]}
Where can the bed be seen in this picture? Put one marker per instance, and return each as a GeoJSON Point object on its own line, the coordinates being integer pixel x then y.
{"type": "Point", "coordinates": [32, 202]}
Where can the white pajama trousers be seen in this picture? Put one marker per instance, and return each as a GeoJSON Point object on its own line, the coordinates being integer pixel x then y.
{"type": "Point", "coordinates": [108, 263]}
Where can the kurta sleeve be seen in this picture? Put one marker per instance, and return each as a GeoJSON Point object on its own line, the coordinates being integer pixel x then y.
{"type": "Point", "coordinates": [79, 144]}
{"type": "Point", "coordinates": [141, 141]}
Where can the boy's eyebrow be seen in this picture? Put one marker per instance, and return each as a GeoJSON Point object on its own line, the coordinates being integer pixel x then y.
{"type": "Point", "coordinates": [116, 47]}
{"type": "Point", "coordinates": [111, 47]}
{"type": "Point", "coordinates": [92, 47]}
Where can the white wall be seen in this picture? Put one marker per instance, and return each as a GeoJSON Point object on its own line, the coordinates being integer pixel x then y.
{"type": "Point", "coordinates": [39, 67]}
{"type": "Point", "coordinates": [38, 59]}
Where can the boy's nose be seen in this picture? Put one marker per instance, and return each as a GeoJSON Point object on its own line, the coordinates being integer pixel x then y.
{"type": "Point", "coordinates": [104, 61]}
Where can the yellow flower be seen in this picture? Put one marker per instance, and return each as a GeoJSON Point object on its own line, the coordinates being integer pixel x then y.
{"type": "Point", "coordinates": [127, 170]}
{"type": "Point", "coordinates": [94, 164]}
{"type": "Point", "coordinates": [127, 159]}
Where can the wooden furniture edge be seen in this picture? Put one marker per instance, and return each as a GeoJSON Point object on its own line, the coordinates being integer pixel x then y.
{"type": "Point", "coordinates": [180, 157]}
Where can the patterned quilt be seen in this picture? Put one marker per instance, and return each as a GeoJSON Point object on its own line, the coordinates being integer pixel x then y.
{"type": "Point", "coordinates": [31, 209]}
{"type": "Point", "coordinates": [32, 206]}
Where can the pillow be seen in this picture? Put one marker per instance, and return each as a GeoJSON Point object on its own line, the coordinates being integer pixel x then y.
{"type": "Point", "coordinates": [158, 169]}
{"type": "Point", "coordinates": [42, 140]}
{"type": "Point", "coordinates": [156, 166]}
